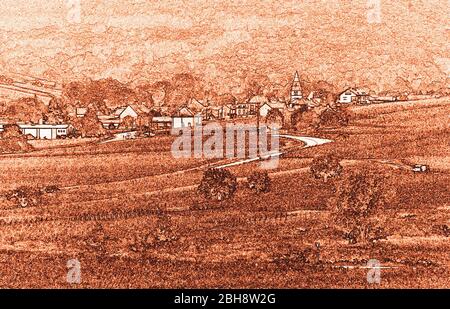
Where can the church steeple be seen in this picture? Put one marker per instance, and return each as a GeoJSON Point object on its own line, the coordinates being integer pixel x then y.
{"type": "Point", "coordinates": [296, 89]}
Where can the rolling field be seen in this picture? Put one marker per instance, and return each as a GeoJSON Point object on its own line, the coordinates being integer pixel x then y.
{"type": "Point", "coordinates": [130, 213]}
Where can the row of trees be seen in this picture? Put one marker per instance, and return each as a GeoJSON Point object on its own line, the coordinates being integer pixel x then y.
{"type": "Point", "coordinates": [304, 119]}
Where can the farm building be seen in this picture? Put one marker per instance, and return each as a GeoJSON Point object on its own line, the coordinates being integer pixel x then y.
{"type": "Point", "coordinates": [184, 117]}
{"type": "Point", "coordinates": [161, 124]}
{"type": "Point", "coordinates": [266, 107]}
{"type": "Point", "coordinates": [45, 131]}
{"type": "Point", "coordinates": [353, 95]}
{"type": "Point", "coordinates": [114, 120]}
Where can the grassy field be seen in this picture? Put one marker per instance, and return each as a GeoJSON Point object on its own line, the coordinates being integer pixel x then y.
{"type": "Point", "coordinates": [112, 196]}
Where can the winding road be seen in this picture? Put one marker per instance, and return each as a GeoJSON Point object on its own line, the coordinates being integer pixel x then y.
{"type": "Point", "coordinates": [307, 140]}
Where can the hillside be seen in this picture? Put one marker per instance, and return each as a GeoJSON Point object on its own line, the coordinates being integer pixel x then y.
{"type": "Point", "coordinates": [231, 41]}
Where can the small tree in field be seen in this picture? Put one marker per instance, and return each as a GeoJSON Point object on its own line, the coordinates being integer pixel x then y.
{"type": "Point", "coordinates": [217, 184]}
{"type": "Point", "coordinates": [97, 239]}
{"type": "Point", "coordinates": [25, 197]}
{"type": "Point", "coordinates": [326, 167]}
{"type": "Point", "coordinates": [359, 197]}
{"type": "Point", "coordinates": [259, 181]}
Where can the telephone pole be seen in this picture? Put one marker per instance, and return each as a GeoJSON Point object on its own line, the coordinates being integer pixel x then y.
{"type": "Point", "coordinates": [257, 128]}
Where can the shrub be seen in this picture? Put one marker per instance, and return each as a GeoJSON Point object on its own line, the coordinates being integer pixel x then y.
{"type": "Point", "coordinates": [334, 117]}
{"type": "Point", "coordinates": [359, 196]}
{"type": "Point", "coordinates": [297, 115]}
{"type": "Point", "coordinates": [144, 240]}
{"type": "Point", "coordinates": [12, 140]}
{"type": "Point", "coordinates": [96, 241]}
{"type": "Point", "coordinates": [307, 121]}
{"type": "Point", "coordinates": [259, 181]}
{"type": "Point", "coordinates": [217, 184]}
{"type": "Point", "coordinates": [275, 117]}
{"type": "Point", "coordinates": [326, 167]}
{"type": "Point", "coordinates": [51, 189]}
{"type": "Point", "coordinates": [25, 197]}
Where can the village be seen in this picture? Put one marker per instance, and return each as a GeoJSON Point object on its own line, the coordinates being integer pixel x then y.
{"type": "Point", "coordinates": [160, 119]}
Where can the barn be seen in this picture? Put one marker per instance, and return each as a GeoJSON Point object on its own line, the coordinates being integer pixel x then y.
{"type": "Point", "coordinates": [45, 131]}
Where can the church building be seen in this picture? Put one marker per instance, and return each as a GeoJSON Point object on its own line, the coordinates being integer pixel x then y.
{"type": "Point", "coordinates": [296, 91]}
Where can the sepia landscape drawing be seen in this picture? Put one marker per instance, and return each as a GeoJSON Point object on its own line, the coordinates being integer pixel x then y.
{"type": "Point", "coordinates": [224, 144]}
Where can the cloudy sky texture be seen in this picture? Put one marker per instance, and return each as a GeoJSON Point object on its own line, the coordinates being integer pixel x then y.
{"type": "Point", "coordinates": [223, 41]}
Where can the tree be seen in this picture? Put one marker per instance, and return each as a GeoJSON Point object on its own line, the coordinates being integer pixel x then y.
{"type": "Point", "coordinates": [57, 111]}
{"type": "Point", "coordinates": [24, 110]}
{"type": "Point", "coordinates": [90, 125]}
{"type": "Point", "coordinates": [359, 197]}
{"type": "Point", "coordinates": [217, 184]}
{"type": "Point", "coordinates": [308, 121]}
{"type": "Point", "coordinates": [25, 196]}
{"type": "Point", "coordinates": [334, 117]}
{"type": "Point", "coordinates": [275, 117]}
{"type": "Point", "coordinates": [326, 167]}
{"type": "Point", "coordinates": [297, 115]}
{"type": "Point", "coordinates": [12, 140]}
{"type": "Point", "coordinates": [259, 181]}
{"type": "Point", "coordinates": [128, 123]}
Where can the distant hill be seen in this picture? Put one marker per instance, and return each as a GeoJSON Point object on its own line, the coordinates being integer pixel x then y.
{"type": "Point", "coordinates": [231, 41]}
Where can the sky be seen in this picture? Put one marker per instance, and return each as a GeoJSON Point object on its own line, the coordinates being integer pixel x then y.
{"type": "Point", "coordinates": [335, 40]}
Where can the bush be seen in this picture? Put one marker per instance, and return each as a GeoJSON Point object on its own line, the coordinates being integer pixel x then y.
{"type": "Point", "coordinates": [334, 117]}
{"type": "Point", "coordinates": [307, 121]}
{"type": "Point", "coordinates": [297, 115]}
{"type": "Point", "coordinates": [359, 197]}
{"type": "Point", "coordinates": [326, 167]}
{"type": "Point", "coordinates": [51, 189]}
{"type": "Point", "coordinates": [275, 117]}
{"type": "Point", "coordinates": [164, 234]}
{"type": "Point", "coordinates": [25, 197]}
{"type": "Point", "coordinates": [96, 241]}
{"type": "Point", "coordinates": [12, 140]}
{"type": "Point", "coordinates": [217, 184]}
{"type": "Point", "coordinates": [259, 181]}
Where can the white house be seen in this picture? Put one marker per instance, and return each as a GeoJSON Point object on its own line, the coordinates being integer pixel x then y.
{"type": "Point", "coordinates": [184, 117]}
{"type": "Point", "coordinates": [352, 95]}
{"type": "Point", "coordinates": [45, 131]}
{"type": "Point", "coordinates": [114, 120]}
{"type": "Point", "coordinates": [80, 112]}
{"type": "Point", "coordinates": [266, 107]}
{"type": "Point", "coordinates": [123, 112]}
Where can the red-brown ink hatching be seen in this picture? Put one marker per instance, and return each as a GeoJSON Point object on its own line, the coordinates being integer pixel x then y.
{"type": "Point", "coordinates": [236, 144]}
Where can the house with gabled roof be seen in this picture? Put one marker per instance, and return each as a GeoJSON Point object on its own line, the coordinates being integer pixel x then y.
{"type": "Point", "coordinates": [184, 117]}
{"type": "Point", "coordinates": [354, 95]}
{"type": "Point", "coordinates": [197, 106]}
{"type": "Point", "coordinates": [268, 106]}
{"type": "Point", "coordinates": [114, 120]}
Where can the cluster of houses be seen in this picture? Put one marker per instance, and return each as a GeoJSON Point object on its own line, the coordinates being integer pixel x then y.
{"type": "Point", "coordinates": [195, 112]}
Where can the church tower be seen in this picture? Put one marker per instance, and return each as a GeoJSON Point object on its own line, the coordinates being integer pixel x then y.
{"type": "Point", "coordinates": [296, 90]}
